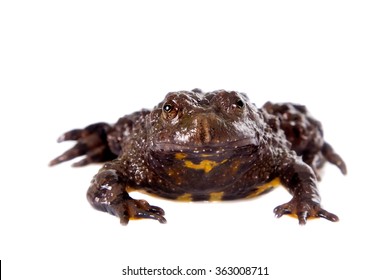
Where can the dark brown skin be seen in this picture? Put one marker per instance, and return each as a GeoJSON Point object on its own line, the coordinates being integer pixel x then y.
{"type": "Point", "coordinates": [205, 146]}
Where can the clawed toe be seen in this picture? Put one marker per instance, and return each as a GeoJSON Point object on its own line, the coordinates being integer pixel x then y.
{"type": "Point", "coordinates": [282, 210]}
{"type": "Point", "coordinates": [132, 209]}
{"type": "Point", "coordinates": [327, 215]}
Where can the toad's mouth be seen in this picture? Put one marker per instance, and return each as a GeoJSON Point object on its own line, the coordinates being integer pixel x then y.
{"type": "Point", "coordinates": [207, 150]}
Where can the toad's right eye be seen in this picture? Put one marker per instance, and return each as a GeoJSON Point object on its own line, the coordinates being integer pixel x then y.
{"type": "Point", "coordinates": [169, 110]}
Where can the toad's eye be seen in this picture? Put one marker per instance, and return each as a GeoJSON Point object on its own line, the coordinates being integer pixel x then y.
{"type": "Point", "coordinates": [240, 103]}
{"type": "Point", "coordinates": [167, 108]}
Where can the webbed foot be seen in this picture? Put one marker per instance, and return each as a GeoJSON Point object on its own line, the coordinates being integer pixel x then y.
{"type": "Point", "coordinates": [91, 143]}
{"type": "Point", "coordinates": [304, 209]}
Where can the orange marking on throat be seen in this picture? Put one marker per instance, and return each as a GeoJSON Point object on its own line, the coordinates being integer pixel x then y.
{"type": "Point", "coordinates": [180, 155]}
{"type": "Point", "coordinates": [205, 165]}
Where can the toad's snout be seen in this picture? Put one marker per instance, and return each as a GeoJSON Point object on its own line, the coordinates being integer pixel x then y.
{"type": "Point", "coordinates": [209, 129]}
{"type": "Point", "coordinates": [204, 132]}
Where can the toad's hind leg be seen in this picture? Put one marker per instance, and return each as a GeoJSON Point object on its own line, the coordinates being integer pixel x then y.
{"type": "Point", "coordinates": [108, 193]}
{"type": "Point", "coordinates": [305, 134]}
{"type": "Point", "coordinates": [333, 157]}
{"type": "Point", "coordinates": [91, 143]}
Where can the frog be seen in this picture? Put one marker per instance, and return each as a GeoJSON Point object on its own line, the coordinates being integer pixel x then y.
{"type": "Point", "coordinates": [205, 146]}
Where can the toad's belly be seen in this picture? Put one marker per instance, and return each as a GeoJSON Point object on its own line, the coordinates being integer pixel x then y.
{"type": "Point", "coordinates": [214, 192]}
{"type": "Point", "coordinates": [208, 176]}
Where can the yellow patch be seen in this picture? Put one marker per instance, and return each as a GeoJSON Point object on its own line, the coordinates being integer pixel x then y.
{"type": "Point", "coordinates": [185, 197]}
{"type": "Point", "coordinates": [180, 155]}
{"type": "Point", "coordinates": [216, 196]}
{"type": "Point", "coordinates": [261, 189]}
{"type": "Point", "coordinates": [205, 165]}
{"type": "Point", "coordinates": [206, 155]}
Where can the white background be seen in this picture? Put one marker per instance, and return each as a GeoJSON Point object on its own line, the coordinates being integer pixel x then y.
{"type": "Point", "coordinates": [66, 64]}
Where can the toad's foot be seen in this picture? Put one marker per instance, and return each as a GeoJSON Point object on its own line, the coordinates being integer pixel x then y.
{"type": "Point", "coordinates": [334, 158]}
{"type": "Point", "coordinates": [130, 208]}
{"type": "Point", "coordinates": [91, 143]}
{"type": "Point", "coordinates": [304, 209]}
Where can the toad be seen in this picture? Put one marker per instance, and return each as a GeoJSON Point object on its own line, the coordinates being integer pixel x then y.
{"type": "Point", "coordinates": [196, 146]}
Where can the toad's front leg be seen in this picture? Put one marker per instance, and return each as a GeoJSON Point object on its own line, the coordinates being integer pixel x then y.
{"type": "Point", "coordinates": [108, 193]}
{"type": "Point", "coordinates": [299, 179]}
